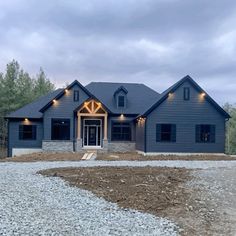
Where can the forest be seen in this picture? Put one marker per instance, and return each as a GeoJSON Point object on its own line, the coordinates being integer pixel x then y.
{"type": "Point", "coordinates": [18, 88]}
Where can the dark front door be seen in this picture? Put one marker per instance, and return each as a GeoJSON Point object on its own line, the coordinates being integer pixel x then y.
{"type": "Point", "coordinates": [92, 135]}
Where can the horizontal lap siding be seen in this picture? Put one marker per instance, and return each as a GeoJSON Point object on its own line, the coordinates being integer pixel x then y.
{"type": "Point", "coordinates": [64, 108]}
{"type": "Point", "coordinates": [15, 142]}
{"type": "Point", "coordinates": [185, 114]}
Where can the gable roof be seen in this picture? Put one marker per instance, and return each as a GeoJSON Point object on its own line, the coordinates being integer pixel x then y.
{"type": "Point", "coordinates": [59, 95]}
{"type": "Point", "coordinates": [121, 88]}
{"type": "Point", "coordinates": [31, 110]}
{"type": "Point", "coordinates": [174, 87]}
{"type": "Point", "coordinates": [139, 96]}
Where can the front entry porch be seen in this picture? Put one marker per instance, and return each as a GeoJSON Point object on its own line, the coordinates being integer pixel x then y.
{"type": "Point", "coordinates": [92, 126]}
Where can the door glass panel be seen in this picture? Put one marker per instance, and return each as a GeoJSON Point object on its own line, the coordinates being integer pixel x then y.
{"type": "Point", "coordinates": [99, 136]}
{"type": "Point", "coordinates": [85, 135]}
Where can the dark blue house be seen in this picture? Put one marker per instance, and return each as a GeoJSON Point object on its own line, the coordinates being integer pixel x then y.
{"type": "Point", "coordinates": [120, 117]}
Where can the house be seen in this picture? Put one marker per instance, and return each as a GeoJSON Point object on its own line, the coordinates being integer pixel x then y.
{"type": "Point", "coordinates": [120, 117]}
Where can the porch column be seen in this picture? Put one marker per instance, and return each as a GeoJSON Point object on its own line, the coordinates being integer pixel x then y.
{"type": "Point", "coordinates": [79, 127]}
{"type": "Point", "coordinates": [105, 127]}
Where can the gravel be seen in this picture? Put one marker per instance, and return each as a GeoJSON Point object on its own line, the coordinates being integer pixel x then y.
{"type": "Point", "coordinates": [31, 204]}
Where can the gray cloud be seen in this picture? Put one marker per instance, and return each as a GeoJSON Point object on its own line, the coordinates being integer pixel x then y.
{"type": "Point", "coordinates": [155, 42]}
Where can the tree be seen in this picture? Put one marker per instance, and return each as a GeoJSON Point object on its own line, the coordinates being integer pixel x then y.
{"type": "Point", "coordinates": [42, 84]}
{"type": "Point", "coordinates": [231, 129]}
{"type": "Point", "coordinates": [17, 89]}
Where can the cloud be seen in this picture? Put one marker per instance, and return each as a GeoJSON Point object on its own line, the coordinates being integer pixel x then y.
{"type": "Point", "coordinates": [155, 42]}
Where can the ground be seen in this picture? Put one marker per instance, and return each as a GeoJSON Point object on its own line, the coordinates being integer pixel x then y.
{"type": "Point", "coordinates": [201, 202]}
{"type": "Point", "coordinates": [185, 197]}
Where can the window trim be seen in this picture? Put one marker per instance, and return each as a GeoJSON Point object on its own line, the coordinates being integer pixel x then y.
{"type": "Point", "coordinates": [76, 95]}
{"type": "Point", "coordinates": [173, 133]}
{"type": "Point", "coordinates": [60, 119]}
{"type": "Point", "coordinates": [186, 93]}
{"type": "Point", "coordinates": [121, 140]}
{"type": "Point", "coordinates": [21, 133]}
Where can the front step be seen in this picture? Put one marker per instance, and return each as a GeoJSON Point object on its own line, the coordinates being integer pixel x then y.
{"type": "Point", "coordinates": [90, 155]}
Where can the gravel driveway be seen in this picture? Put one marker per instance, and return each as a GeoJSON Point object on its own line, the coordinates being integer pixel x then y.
{"type": "Point", "coordinates": [32, 204]}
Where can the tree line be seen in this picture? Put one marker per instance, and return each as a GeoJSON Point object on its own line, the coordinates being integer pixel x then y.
{"type": "Point", "coordinates": [18, 88]}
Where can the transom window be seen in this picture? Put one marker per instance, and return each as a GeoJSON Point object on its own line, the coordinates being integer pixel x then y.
{"type": "Point", "coordinates": [186, 94]}
{"type": "Point", "coordinates": [121, 101]}
{"type": "Point", "coordinates": [27, 132]}
{"type": "Point", "coordinates": [166, 133]}
{"type": "Point", "coordinates": [205, 133]}
{"type": "Point", "coordinates": [121, 131]}
{"type": "Point", "coordinates": [60, 129]}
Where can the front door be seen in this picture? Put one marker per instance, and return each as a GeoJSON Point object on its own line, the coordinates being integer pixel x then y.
{"type": "Point", "coordinates": [92, 135]}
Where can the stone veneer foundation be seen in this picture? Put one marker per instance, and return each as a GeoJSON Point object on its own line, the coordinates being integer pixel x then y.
{"type": "Point", "coordinates": [57, 146]}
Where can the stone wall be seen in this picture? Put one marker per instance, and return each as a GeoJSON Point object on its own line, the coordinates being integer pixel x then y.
{"type": "Point", "coordinates": [57, 146]}
{"type": "Point", "coordinates": [121, 146]}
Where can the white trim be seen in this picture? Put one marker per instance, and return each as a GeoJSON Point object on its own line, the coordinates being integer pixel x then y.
{"type": "Point", "coordinates": [96, 146]}
{"type": "Point", "coordinates": [179, 154]}
{"type": "Point", "coordinates": [23, 151]}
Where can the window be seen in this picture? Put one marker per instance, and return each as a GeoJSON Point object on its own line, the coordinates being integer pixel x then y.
{"type": "Point", "coordinates": [166, 133]}
{"type": "Point", "coordinates": [121, 131]}
{"type": "Point", "coordinates": [205, 133]}
{"type": "Point", "coordinates": [186, 94]}
{"type": "Point", "coordinates": [76, 95]}
{"type": "Point", "coordinates": [27, 132]}
{"type": "Point", "coordinates": [60, 129]}
{"type": "Point", "coordinates": [121, 101]}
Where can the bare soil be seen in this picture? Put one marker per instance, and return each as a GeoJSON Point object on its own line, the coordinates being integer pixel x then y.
{"type": "Point", "coordinates": [44, 157]}
{"type": "Point", "coordinates": [133, 156]}
{"type": "Point", "coordinates": [157, 190]}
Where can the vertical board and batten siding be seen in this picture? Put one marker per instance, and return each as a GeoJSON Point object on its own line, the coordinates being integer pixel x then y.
{"type": "Point", "coordinates": [63, 108]}
{"type": "Point", "coordinates": [185, 115]}
{"type": "Point", "coordinates": [13, 135]}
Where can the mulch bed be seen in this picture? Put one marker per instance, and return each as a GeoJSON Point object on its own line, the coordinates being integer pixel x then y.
{"type": "Point", "coordinates": [133, 156]}
{"type": "Point", "coordinates": [45, 157]}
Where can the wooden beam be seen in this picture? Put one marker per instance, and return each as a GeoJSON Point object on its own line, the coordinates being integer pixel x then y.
{"type": "Point", "coordinates": [79, 127]}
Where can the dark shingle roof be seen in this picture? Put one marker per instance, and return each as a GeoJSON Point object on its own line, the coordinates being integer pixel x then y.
{"type": "Point", "coordinates": [139, 96]}
{"type": "Point", "coordinates": [31, 110]}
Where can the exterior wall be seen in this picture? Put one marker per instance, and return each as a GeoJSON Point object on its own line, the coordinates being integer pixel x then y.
{"type": "Point", "coordinates": [63, 108]}
{"type": "Point", "coordinates": [15, 142]}
{"type": "Point", "coordinates": [140, 136]}
{"type": "Point", "coordinates": [118, 119]}
{"type": "Point", "coordinates": [185, 114]}
{"type": "Point", "coordinates": [58, 146]}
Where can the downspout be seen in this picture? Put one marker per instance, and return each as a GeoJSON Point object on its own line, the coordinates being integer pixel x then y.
{"type": "Point", "coordinates": [73, 131]}
{"type": "Point", "coordinates": [8, 139]}
{"type": "Point", "coordinates": [145, 136]}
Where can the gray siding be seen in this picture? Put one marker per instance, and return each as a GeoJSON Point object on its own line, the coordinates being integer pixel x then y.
{"type": "Point", "coordinates": [15, 142]}
{"type": "Point", "coordinates": [64, 108]}
{"type": "Point", "coordinates": [185, 114]}
{"type": "Point", "coordinates": [140, 137]}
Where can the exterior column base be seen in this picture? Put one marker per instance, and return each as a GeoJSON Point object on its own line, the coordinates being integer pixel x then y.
{"type": "Point", "coordinates": [79, 145]}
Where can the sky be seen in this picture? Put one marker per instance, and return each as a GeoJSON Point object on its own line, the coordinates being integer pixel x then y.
{"type": "Point", "coordinates": [155, 42]}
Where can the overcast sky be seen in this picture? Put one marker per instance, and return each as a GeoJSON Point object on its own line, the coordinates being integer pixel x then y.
{"type": "Point", "coordinates": [156, 42]}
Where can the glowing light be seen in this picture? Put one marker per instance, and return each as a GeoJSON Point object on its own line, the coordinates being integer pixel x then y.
{"type": "Point", "coordinates": [66, 90]}
{"type": "Point", "coordinates": [203, 94]}
{"type": "Point", "coordinates": [170, 94]}
{"type": "Point", "coordinates": [26, 119]}
{"type": "Point", "coordinates": [54, 100]}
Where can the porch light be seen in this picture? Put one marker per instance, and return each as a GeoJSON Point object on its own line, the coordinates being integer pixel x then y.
{"type": "Point", "coordinates": [54, 100]}
{"type": "Point", "coordinates": [26, 119]}
{"type": "Point", "coordinates": [170, 94]}
{"type": "Point", "coordinates": [203, 94]}
{"type": "Point", "coordinates": [66, 90]}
